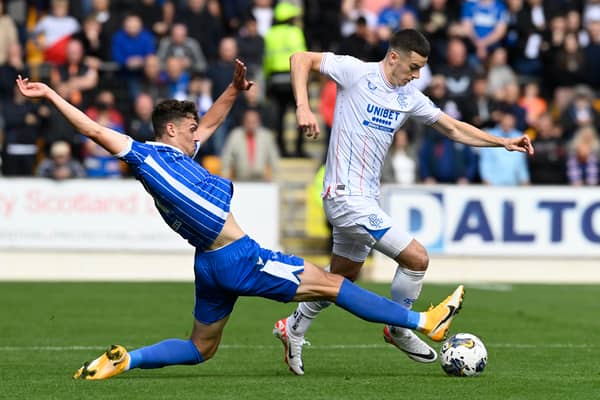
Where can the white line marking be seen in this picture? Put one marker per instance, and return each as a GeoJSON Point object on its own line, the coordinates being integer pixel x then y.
{"type": "Point", "coordinates": [316, 347]}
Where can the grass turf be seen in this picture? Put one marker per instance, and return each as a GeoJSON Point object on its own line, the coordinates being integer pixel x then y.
{"type": "Point", "coordinates": [542, 342]}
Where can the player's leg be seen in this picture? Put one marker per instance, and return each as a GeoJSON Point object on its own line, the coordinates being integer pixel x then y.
{"type": "Point", "coordinates": [318, 284]}
{"type": "Point", "coordinates": [300, 320]}
{"type": "Point", "coordinates": [406, 286]}
{"type": "Point", "coordinates": [351, 245]}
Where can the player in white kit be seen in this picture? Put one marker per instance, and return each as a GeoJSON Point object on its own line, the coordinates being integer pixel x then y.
{"type": "Point", "coordinates": [373, 101]}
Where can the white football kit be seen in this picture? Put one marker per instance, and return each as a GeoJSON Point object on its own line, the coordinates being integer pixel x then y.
{"type": "Point", "coordinates": [368, 112]}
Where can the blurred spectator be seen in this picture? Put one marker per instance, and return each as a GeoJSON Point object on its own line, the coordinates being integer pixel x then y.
{"type": "Point", "coordinates": [391, 15]}
{"type": "Point", "coordinates": [200, 92]}
{"type": "Point", "coordinates": [140, 127]}
{"type": "Point", "coordinates": [95, 49]}
{"type": "Point", "coordinates": [400, 165]}
{"type": "Point", "coordinates": [153, 80]}
{"type": "Point", "coordinates": [76, 78]}
{"type": "Point", "coordinates": [352, 10]}
{"type": "Point", "coordinates": [500, 73]}
{"type": "Point", "coordinates": [573, 19]}
{"type": "Point", "coordinates": [458, 72]}
{"type": "Point", "coordinates": [220, 73]}
{"type": "Point", "coordinates": [250, 153]}
{"type": "Point", "coordinates": [176, 78]}
{"type": "Point", "coordinates": [525, 36]}
{"type": "Point", "coordinates": [234, 14]}
{"type": "Point", "coordinates": [592, 50]}
{"type": "Point", "coordinates": [580, 112]}
{"type": "Point", "coordinates": [438, 93]}
{"type": "Point", "coordinates": [60, 165]}
{"type": "Point", "coordinates": [98, 162]}
{"type": "Point", "coordinates": [104, 108]}
{"type": "Point", "coordinates": [251, 46]}
{"type": "Point", "coordinates": [53, 31]}
{"type": "Point", "coordinates": [582, 163]}
{"type": "Point", "coordinates": [322, 24]}
{"type": "Point", "coordinates": [262, 10]}
{"type": "Point", "coordinates": [110, 20]}
{"type": "Point", "coordinates": [15, 65]}
{"type": "Point", "coordinates": [55, 127]}
{"type": "Point", "coordinates": [552, 43]}
{"type": "Point", "coordinates": [499, 167]}
{"type": "Point", "coordinates": [179, 45]}
{"type": "Point", "coordinates": [509, 100]}
{"type": "Point", "coordinates": [479, 110]}
{"type": "Point", "coordinates": [484, 24]}
{"type": "Point", "coordinates": [157, 15]}
{"type": "Point", "coordinates": [282, 40]}
{"type": "Point", "coordinates": [440, 159]}
{"type": "Point", "coordinates": [548, 165]}
{"type": "Point", "coordinates": [532, 102]}
{"type": "Point", "coordinates": [252, 98]}
{"type": "Point", "coordinates": [8, 34]}
{"type": "Point", "coordinates": [568, 66]}
{"type": "Point", "coordinates": [361, 44]}
{"type": "Point", "coordinates": [435, 22]}
{"type": "Point", "coordinates": [21, 131]}
{"type": "Point", "coordinates": [131, 45]}
{"type": "Point", "coordinates": [203, 25]}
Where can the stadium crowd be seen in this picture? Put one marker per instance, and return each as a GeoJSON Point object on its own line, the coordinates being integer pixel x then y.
{"type": "Point", "coordinates": [506, 66]}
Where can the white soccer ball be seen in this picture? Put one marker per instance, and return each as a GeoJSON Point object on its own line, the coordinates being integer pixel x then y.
{"type": "Point", "coordinates": [463, 354]}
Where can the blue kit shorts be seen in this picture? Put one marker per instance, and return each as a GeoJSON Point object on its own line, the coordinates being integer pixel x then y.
{"type": "Point", "coordinates": [242, 268]}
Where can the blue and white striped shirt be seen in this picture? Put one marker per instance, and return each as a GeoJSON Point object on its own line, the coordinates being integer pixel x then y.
{"type": "Point", "coordinates": [193, 202]}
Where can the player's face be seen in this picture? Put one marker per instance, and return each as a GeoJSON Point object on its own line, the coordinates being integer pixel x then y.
{"type": "Point", "coordinates": [186, 129]}
{"type": "Point", "coordinates": [405, 67]}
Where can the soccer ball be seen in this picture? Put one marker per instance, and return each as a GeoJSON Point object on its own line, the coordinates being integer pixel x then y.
{"type": "Point", "coordinates": [463, 354]}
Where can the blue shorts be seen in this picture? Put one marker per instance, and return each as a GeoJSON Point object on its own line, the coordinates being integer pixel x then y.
{"type": "Point", "coordinates": [242, 268]}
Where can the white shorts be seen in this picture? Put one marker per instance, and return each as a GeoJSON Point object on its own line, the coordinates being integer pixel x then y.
{"type": "Point", "coordinates": [359, 224]}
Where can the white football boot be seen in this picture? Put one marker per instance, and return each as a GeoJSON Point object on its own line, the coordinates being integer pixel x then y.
{"type": "Point", "coordinates": [292, 345]}
{"type": "Point", "coordinates": [409, 343]}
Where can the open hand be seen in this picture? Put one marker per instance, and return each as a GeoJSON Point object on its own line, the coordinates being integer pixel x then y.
{"type": "Point", "coordinates": [239, 76]}
{"type": "Point", "coordinates": [32, 89]}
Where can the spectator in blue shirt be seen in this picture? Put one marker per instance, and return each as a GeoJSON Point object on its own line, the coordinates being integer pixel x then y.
{"type": "Point", "coordinates": [485, 24]}
{"type": "Point", "coordinates": [130, 47]}
{"type": "Point", "coordinates": [500, 168]}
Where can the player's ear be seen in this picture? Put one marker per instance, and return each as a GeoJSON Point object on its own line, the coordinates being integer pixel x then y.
{"type": "Point", "coordinates": [170, 129]}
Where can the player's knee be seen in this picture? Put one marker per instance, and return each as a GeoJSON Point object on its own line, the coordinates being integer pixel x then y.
{"type": "Point", "coordinates": [421, 261]}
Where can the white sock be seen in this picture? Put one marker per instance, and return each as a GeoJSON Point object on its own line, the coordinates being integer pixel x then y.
{"type": "Point", "coordinates": [299, 322]}
{"type": "Point", "coordinates": [406, 287]}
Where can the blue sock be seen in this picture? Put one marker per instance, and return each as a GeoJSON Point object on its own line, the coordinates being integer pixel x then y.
{"type": "Point", "coordinates": [374, 308]}
{"type": "Point", "coordinates": [167, 352]}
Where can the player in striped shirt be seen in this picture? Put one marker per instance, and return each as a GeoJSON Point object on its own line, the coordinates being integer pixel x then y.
{"type": "Point", "coordinates": [373, 101]}
{"type": "Point", "coordinates": [227, 263]}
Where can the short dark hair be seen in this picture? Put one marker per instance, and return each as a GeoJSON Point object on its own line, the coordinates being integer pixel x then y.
{"type": "Point", "coordinates": [408, 40]}
{"type": "Point", "coordinates": [171, 111]}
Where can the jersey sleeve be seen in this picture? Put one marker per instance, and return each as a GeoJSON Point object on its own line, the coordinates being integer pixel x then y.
{"type": "Point", "coordinates": [134, 153]}
{"type": "Point", "coordinates": [424, 110]}
{"type": "Point", "coordinates": [344, 70]}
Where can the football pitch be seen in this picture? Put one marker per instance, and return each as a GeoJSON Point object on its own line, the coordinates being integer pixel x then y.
{"type": "Point", "coordinates": [543, 343]}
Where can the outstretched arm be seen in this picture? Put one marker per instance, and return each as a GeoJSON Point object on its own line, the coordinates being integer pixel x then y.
{"type": "Point", "coordinates": [217, 113]}
{"type": "Point", "coordinates": [111, 140]}
{"type": "Point", "coordinates": [468, 134]}
{"type": "Point", "coordinates": [301, 64]}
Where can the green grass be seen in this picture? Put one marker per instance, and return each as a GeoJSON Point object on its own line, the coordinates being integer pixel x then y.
{"type": "Point", "coordinates": [543, 343]}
